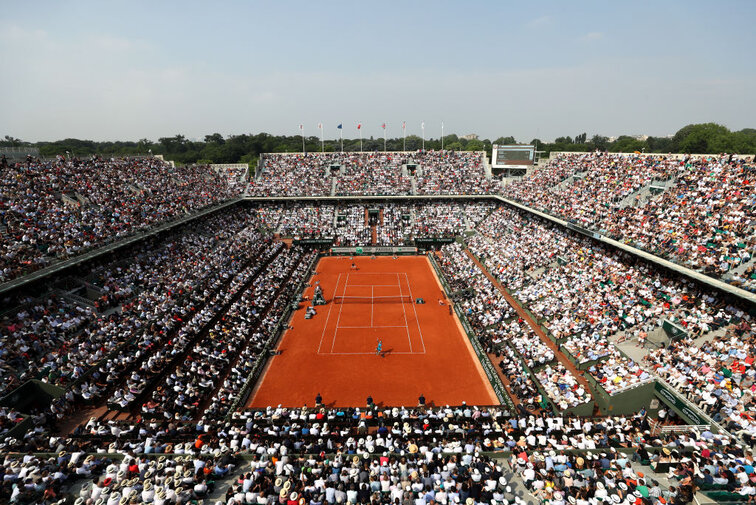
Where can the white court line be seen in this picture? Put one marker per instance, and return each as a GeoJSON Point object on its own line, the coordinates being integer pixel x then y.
{"type": "Point", "coordinates": [415, 309]}
{"type": "Point", "coordinates": [376, 285]}
{"type": "Point", "coordinates": [329, 312]}
{"type": "Point", "coordinates": [333, 343]}
{"type": "Point", "coordinates": [364, 353]}
{"type": "Point", "coordinates": [355, 327]}
{"type": "Point", "coordinates": [372, 291]}
{"type": "Point", "coordinates": [404, 311]}
{"type": "Point", "coordinates": [376, 273]}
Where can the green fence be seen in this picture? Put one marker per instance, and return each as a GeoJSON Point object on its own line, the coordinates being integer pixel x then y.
{"type": "Point", "coordinates": [673, 331]}
{"type": "Point", "coordinates": [671, 397]}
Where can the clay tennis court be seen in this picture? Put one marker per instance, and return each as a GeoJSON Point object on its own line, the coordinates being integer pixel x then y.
{"type": "Point", "coordinates": [334, 353]}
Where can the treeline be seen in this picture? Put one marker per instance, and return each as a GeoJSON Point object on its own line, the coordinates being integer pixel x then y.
{"type": "Point", "coordinates": [246, 148]}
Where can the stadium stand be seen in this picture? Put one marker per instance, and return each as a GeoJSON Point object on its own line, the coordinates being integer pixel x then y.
{"type": "Point", "coordinates": [125, 381]}
{"type": "Point", "coordinates": [57, 209]}
{"type": "Point", "coordinates": [360, 174]}
{"type": "Point", "coordinates": [702, 216]}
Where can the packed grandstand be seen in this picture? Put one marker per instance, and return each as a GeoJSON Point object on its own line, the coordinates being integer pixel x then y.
{"type": "Point", "coordinates": [126, 375]}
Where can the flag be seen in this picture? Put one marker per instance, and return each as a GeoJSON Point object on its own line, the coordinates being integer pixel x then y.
{"type": "Point", "coordinates": [301, 127]}
{"type": "Point", "coordinates": [359, 125]}
{"type": "Point", "coordinates": [383, 126]}
{"type": "Point", "coordinates": [442, 125]}
{"type": "Point", "coordinates": [320, 126]}
{"type": "Point", "coordinates": [339, 127]}
{"type": "Point", "coordinates": [404, 125]}
{"type": "Point", "coordinates": [422, 125]}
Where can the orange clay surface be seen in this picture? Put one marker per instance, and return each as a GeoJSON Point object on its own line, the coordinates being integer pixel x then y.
{"type": "Point", "coordinates": [334, 353]}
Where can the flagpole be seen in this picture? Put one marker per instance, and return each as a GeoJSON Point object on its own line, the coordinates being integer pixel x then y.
{"type": "Point", "coordinates": [341, 134]}
{"type": "Point", "coordinates": [442, 135]}
{"type": "Point", "coordinates": [384, 137]}
{"type": "Point", "coordinates": [404, 135]}
{"type": "Point", "coordinates": [322, 144]}
{"type": "Point", "coordinates": [422, 127]}
{"type": "Point", "coordinates": [301, 130]}
{"type": "Point", "coordinates": [359, 127]}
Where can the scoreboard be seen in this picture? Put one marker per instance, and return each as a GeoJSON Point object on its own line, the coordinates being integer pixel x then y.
{"type": "Point", "coordinates": [512, 156]}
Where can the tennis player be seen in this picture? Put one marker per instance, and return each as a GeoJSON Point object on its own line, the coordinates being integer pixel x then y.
{"type": "Point", "coordinates": [379, 347]}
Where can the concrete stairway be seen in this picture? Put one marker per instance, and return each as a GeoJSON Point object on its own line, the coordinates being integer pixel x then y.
{"type": "Point", "coordinates": [740, 268]}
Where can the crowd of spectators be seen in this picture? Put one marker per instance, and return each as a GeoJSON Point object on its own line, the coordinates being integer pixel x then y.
{"type": "Point", "coordinates": [717, 375]}
{"type": "Point", "coordinates": [454, 173]}
{"type": "Point", "coordinates": [58, 340]}
{"type": "Point", "coordinates": [519, 382]}
{"type": "Point", "coordinates": [396, 227]}
{"type": "Point", "coordinates": [494, 322]}
{"type": "Point", "coordinates": [595, 478]}
{"type": "Point", "coordinates": [579, 288]}
{"type": "Point", "coordinates": [293, 175]}
{"type": "Point", "coordinates": [112, 480]}
{"type": "Point", "coordinates": [618, 373]}
{"type": "Point", "coordinates": [185, 391]}
{"type": "Point", "coordinates": [374, 173]}
{"type": "Point", "coordinates": [561, 386]}
{"type": "Point", "coordinates": [376, 455]}
{"type": "Point", "coordinates": [745, 279]}
{"type": "Point", "coordinates": [179, 284]}
{"type": "Point", "coordinates": [476, 296]}
{"type": "Point", "coordinates": [704, 219]}
{"type": "Point", "coordinates": [589, 187]}
{"type": "Point", "coordinates": [38, 327]}
{"type": "Point", "coordinates": [449, 219]}
{"type": "Point", "coordinates": [584, 294]}
{"type": "Point", "coordinates": [59, 208]}
{"type": "Point", "coordinates": [349, 224]}
{"type": "Point", "coordinates": [180, 328]}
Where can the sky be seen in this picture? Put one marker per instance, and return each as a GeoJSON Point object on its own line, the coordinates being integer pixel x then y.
{"type": "Point", "coordinates": [542, 69]}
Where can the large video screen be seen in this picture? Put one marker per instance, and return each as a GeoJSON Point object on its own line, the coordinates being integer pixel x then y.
{"type": "Point", "coordinates": [514, 155]}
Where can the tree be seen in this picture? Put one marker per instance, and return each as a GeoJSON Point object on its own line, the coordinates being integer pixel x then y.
{"type": "Point", "coordinates": [215, 138]}
{"type": "Point", "coordinates": [694, 138]}
{"type": "Point", "coordinates": [600, 142]}
{"type": "Point", "coordinates": [475, 145]}
{"type": "Point", "coordinates": [505, 141]}
{"type": "Point", "coordinates": [659, 144]}
{"type": "Point", "coordinates": [702, 138]}
{"type": "Point", "coordinates": [627, 144]}
{"type": "Point", "coordinates": [175, 144]}
{"type": "Point", "coordinates": [9, 141]}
